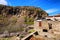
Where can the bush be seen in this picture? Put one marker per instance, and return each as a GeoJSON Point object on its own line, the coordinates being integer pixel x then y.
{"type": "Point", "coordinates": [30, 31]}
{"type": "Point", "coordinates": [15, 29]}
{"type": "Point", "coordinates": [29, 21]}
{"type": "Point", "coordinates": [21, 36]}
{"type": "Point", "coordinates": [13, 19]}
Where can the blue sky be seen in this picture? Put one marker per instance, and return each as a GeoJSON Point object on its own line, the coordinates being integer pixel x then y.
{"type": "Point", "coordinates": [52, 7]}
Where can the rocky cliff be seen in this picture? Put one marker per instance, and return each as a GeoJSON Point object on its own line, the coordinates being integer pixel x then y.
{"type": "Point", "coordinates": [22, 10]}
{"type": "Point", "coordinates": [15, 18]}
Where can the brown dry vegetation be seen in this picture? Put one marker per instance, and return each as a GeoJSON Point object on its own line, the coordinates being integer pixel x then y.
{"type": "Point", "coordinates": [15, 19]}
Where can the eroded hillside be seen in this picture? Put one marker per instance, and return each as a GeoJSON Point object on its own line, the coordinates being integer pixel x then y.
{"type": "Point", "coordinates": [15, 19]}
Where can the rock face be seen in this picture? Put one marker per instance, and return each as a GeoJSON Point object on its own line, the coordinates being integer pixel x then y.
{"type": "Point", "coordinates": [16, 18]}
{"type": "Point", "coordinates": [22, 10]}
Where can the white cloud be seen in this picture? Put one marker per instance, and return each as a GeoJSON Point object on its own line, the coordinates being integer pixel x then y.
{"type": "Point", "coordinates": [4, 2]}
{"type": "Point", "coordinates": [51, 10]}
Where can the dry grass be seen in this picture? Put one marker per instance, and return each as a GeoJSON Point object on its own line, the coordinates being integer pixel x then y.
{"type": "Point", "coordinates": [11, 38]}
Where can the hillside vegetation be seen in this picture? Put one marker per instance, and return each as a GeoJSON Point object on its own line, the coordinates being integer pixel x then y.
{"type": "Point", "coordinates": [14, 19]}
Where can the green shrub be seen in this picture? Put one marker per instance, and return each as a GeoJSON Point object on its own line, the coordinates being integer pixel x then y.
{"type": "Point", "coordinates": [30, 31]}
{"type": "Point", "coordinates": [21, 36]}
{"type": "Point", "coordinates": [29, 21]}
